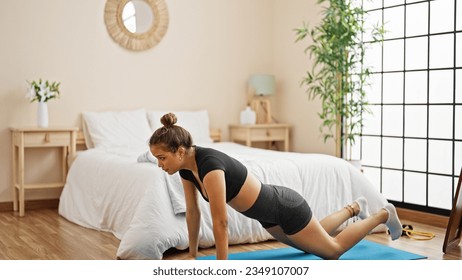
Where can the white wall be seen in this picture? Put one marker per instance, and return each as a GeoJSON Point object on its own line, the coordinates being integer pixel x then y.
{"type": "Point", "coordinates": [203, 62]}
{"type": "Point", "coordinates": [290, 66]}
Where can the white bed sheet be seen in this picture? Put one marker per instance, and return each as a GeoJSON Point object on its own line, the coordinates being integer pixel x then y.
{"type": "Point", "coordinates": [144, 207]}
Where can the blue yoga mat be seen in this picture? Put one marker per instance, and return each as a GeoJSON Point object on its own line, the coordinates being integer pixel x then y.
{"type": "Point", "coordinates": [364, 250]}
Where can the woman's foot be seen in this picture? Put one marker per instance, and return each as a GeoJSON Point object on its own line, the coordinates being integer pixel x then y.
{"type": "Point", "coordinates": [361, 209]}
{"type": "Point", "coordinates": [393, 223]}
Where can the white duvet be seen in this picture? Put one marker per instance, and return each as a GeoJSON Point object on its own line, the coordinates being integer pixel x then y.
{"type": "Point", "coordinates": [144, 207]}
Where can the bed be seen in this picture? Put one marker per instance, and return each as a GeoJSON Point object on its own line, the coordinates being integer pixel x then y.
{"type": "Point", "coordinates": [116, 186]}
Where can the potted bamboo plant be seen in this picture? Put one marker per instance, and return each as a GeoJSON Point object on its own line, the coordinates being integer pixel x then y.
{"type": "Point", "coordinates": [338, 76]}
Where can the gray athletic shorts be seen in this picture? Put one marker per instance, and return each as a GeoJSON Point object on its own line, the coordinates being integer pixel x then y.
{"type": "Point", "coordinates": [280, 206]}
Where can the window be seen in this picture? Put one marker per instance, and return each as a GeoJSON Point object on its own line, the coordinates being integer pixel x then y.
{"type": "Point", "coordinates": [411, 144]}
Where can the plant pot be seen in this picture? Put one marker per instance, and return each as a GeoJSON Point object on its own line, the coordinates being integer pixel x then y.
{"type": "Point", "coordinates": [42, 114]}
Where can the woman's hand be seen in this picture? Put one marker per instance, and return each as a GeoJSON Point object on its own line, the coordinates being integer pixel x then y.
{"type": "Point", "coordinates": [193, 217]}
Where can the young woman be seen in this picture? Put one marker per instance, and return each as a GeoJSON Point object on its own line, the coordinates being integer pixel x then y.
{"type": "Point", "coordinates": [221, 179]}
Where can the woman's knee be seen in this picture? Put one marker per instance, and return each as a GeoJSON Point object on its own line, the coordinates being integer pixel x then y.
{"type": "Point", "coordinates": [330, 252]}
{"type": "Point", "coordinates": [312, 239]}
{"type": "Point", "coordinates": [332, 255]}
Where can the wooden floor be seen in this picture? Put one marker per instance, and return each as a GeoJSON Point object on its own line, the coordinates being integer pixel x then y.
{"type": "Point", "coordinates": [43, 234]}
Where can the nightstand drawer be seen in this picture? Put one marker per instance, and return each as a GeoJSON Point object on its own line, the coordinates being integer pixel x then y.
{"type": "Point", "coordinates": [47, 138]}
{"type": "Point", "coordinates": [267, 134]}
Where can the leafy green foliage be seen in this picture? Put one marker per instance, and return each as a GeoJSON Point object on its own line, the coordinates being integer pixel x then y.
{"type": "Point", "coordinates": [338, 76]}
{"type": "Point", "coordinates": [42, 91]}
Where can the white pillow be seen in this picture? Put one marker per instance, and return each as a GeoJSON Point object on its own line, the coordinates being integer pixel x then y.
{"type": "Point", "coordinates": [147, 157]}
{"type": "Point", "coordinates": [196, 122]}
{"type": "Point", "coordinates": [125, 129]}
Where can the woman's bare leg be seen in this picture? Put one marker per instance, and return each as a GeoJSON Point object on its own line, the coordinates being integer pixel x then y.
{"type": "Point", "coordinates": [314, 238]}
{"type": "Point", "coordinates": [332, 222]}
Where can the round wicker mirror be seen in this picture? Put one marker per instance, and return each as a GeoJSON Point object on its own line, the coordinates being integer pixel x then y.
{"type": "Point", "coordinates": [136, 24]}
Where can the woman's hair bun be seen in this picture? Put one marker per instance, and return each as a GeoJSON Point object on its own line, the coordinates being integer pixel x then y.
{"type": "Point", "coordinates": [168, 120]}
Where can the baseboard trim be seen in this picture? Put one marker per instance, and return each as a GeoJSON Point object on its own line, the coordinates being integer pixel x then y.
{"type": "Point", "coordinates": [31, 205]}
{"type": "Point", "coordinates": [423, 217]}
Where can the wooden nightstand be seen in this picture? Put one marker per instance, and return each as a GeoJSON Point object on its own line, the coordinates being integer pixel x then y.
{"type": "Point", "coordinates": [33, 137]}
{"type": "Point", "coordinates": [260, 133]}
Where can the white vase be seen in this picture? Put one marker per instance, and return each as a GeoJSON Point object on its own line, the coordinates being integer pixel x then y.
{"type": "Point", "coordinates": [42, 114]}
{"type": "Point", "coordinates": [248, 116]}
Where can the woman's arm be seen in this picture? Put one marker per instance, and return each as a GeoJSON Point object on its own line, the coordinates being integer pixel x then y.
{"type": "Point", "coordinates": [215, 186]}
{"type": "Point", "coordinates": [193, 216]}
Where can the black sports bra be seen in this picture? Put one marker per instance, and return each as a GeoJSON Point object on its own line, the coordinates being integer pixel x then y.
{"type": "Point", "coordinates": [207, 160]}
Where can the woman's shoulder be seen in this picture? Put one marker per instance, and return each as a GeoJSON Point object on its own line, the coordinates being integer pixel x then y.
{"type": "Point", "coordinates": [208, 151]}
{"type": "Point", "coordinates": [206, 154]}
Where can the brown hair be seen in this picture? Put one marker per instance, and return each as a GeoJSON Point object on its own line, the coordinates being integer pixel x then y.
{"type": "Point", "coordinates": [171, 136]}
